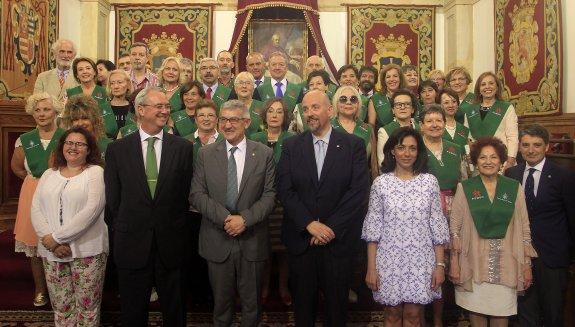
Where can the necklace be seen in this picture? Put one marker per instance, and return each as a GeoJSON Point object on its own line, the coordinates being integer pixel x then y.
{"type": "Point", "coordinates": [170, 90]}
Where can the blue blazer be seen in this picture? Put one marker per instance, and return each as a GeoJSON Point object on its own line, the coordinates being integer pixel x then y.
{"type": "Point", "coordinates": [338, 198]}
{"type": "Point", "coordinates": [552, 215]}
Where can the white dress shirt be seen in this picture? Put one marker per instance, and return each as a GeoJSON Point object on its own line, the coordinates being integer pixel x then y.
{"type": "Point", "coordinates": [212, 138]}
{"type": "Point", "coordinates": [72, 210]}
{"type": "Point", "coordinates": [536, 175]}
{"type": "Point", "coordinates": [240, 156]}
{"type": "Point", "coordinates": [283, 87]}
{"type": "Point", "coordinates": [213, 87]}
{"type": "Point", "coordinates": [157, 145]}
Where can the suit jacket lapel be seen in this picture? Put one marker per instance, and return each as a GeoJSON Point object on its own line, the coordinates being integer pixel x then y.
{"type": "Point", "coordinates": [137, 158]}
{"type": "Point", "coordinates": [332, 153]}
{"type": "Point", "coordinates": [249, 165]}
{"type": "Point", "coordinates": [544, 179]}
{"type": "Point", "coordinates": [165, 162]}
{"type": "Point", "coordinates": [308, 154]}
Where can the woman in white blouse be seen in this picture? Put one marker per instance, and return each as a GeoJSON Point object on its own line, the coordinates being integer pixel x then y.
{"type": "Point", "coordinates": [68, 216]}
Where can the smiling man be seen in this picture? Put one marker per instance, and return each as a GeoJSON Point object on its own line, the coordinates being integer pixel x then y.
{"type": "Point", "coordinates": [323, 184]}
{"type": "Point", "coordinates": [209, 75]}
{"type": "Point", "coordinates": [234, 190]}
{"type": "Point", "coordinates": [147, 177]}
{"type": "Point", "coordinates": [56, 81]}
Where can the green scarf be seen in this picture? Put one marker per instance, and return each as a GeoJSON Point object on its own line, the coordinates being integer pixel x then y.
{"type": "Point", "coordinates": [447, 171]}
{"type": "Point", "coordinates": [464, 107]}
{"type": "Point", "coordinates": [460, 137]}
{"type": "Point", "coordinates": [491, 218]}
{"type": "Point", "coordinates": [361, 129]}
{"type": "Point", "coordinates": [487, 126]}
{"type": "Point", "coordinates": [183, 124]}
{"type": "Point", "coordinates": [36, 156]}
{"type": "Point", "coordinates": [382, 109]}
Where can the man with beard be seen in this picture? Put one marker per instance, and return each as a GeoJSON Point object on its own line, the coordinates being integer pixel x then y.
{"type": "Point", "coordinates": [187, 71]}
{"type": "Point", "coordinates": [125, 63]}
{"type": "Point", "coordinates": [56, 81]}
{"type": "Point", "coordinates": [226, 64]}
{"type": "Point", "coordinates": [367, 80]}
{"type": "Point", "coordinates": [323, 185]}
{"type": "Point", "coordinates": [209, 74]}
{"type": "Point", "coordinates": [140, 76]}
{"type": "Point", "coordinates": [147, 177]}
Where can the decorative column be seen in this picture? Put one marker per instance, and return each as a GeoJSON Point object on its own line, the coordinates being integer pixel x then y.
{"type": "Point", "coordinates": [94, 24]}
{"type": "Point", "coordinates": [459, 33]}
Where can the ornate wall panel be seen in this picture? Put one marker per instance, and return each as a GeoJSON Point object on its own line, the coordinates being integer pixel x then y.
{"type": "Point", "coordinates": [382, 34]}
{"type": "Point", "coordinates": [181, 30]}
{"type": "Point", "coordinates": [528, 51]}
{"type": "Point", "coordinates": [29, 28]}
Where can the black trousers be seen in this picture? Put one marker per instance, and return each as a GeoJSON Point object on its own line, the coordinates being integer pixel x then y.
{"type": "Point", "coordinates": [319, 269]}
{"type": "Point", "coordinates": [543, 302]}
{"type": "Point", "coordinates": [136, 287]}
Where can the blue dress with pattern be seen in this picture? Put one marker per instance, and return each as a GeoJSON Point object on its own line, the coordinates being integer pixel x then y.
{"type": "Point", "coordinates": [406, 221]}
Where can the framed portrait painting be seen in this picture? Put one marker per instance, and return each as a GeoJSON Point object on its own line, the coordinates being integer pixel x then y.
{"type": "Point", "coordinates": [287, 36]}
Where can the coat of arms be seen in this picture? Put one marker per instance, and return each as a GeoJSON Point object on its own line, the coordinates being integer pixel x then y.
{"type": "Point", "coordinates": [524, 44]}
{"type": "Point", "coordinates": [26, 36]}
{"type": "Point", "coordinates": [390, 50]}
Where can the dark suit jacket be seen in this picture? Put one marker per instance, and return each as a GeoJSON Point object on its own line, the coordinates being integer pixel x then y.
{"type": "Point", "coordinates": [256, 200]}
{"type": "Point", "coordinates": [137, 218]}
{"type": "Point", "coordinates": [552, 212]}
{"type": "Point", "coordinates": [338, 199]}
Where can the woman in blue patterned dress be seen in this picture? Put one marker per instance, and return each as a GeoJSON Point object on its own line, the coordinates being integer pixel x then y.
{"type": "Point", "coordinates": [406, 230]}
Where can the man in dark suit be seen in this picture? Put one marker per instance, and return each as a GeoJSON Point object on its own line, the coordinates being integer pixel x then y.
{"type": "Point", "coordinates": [323, 184]}
{"type": "Point", "coordinates": [234, 190]}
{"type": "Point", "coordinates": [550, 197]}
{"type": "Point", "coordinates": [148, 177]}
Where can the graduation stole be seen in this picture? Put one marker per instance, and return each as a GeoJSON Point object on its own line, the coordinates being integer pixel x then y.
{"type": "Point", "coordinates": [363, 108]}
{"type": "Point", "coordinates": [491, 219]}
{"type": "Point", "coordinates": [198, 144]}
{"type": "Point", "coordinates": [460, 137]}
{"type": "Point", "coordinates": [36, 156]}
{"type": "Point", "coordinates": [221, 95]}
{"type": "Point", "coordinates": [391, 127]}
{"type": "Point", "coordinates": [130, 118]}
{"type": "Point", "coordinates": [382, 108]}
{"type": "Point", "coordinates": [464, 107]}
{"type": "Point", "coordinates": [183, 123]}
{"type": "Point", "coordinates": [257, 123]}
{"type": "Point", "coordinates": [176, 101]}
{"type": "Point", "coordinates": [361, 129]}
{"type": "Point", "coordinates": [331, 88]}
{"type": "Point", "coordinates": [490, 123]}
{"type": "Point", "coordinates": [447, 171]}
{"type": "Point", "coordinates": [128, 129]}
{"type": "Point", "coordinates": [103, 145]}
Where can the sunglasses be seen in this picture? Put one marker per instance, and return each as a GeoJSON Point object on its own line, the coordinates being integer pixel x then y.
{"type": "Point", "coordinates": [353, 99]}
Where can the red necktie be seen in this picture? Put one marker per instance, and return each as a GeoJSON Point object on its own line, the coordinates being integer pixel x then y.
{"type": "Point", "coordinates": [61, 78]}
{"type": "Point", "coordinates": [209, 93]}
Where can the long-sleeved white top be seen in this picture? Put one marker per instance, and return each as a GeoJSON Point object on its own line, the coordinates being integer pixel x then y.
{"type": "Point", "coordinates": [72, 210]}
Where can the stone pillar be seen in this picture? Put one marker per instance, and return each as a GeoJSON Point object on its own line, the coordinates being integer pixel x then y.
{"type": "Point", "coordinates": [94, 26]}
{"type": "Point", "coordinates": [459, 34]}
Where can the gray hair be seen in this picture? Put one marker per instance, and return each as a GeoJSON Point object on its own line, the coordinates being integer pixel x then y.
{"type": "Point", "coordinates": [33, 100]}
{"type": "Point", "coordinates": [535, 130]}
{"type": "Point", "coordinates": [255, 54]}
{"type": "Point", "coordinates": [429, 109]}
{"type": "Point", "coordinates": [207, 59]}
{"type": "Point", "coordinates": [186, 61]}
{"type": "Point", "coordinates": [236, 105]}
{"type": "Point", "coordinates": [143, 95]}
{"type": "Point", "coordinates": [58, 44]}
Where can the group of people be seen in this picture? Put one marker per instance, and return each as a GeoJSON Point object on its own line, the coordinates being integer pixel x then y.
{"type": "Point", "coordinates": [254, 170]}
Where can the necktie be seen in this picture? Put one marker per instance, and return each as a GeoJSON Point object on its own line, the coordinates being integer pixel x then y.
{"type": "Point", "coordinates": [232, 190]}
{"type": "Point", "coordinates": [320, 156]}
{"type": "Point", "coordinates": [279, 92]}
{"type": "Point", "coordinates": [209, 93]}
{"type": "Point", "coordinates": [61, 78]}
{"type": "Point", "coordinates": [151, 166]}
{"type": "Point", "coordinates": [530, 188]}
{"type": "Point", "coordinates": [258, 82]}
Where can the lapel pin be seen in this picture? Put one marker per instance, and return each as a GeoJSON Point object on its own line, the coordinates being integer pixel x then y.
{"type": "Point", "coordinates": [253, 154]}
{"type": "Point", "coordinates": [337, 145]}
{"type": "Point", "coordinates": [548, 176]}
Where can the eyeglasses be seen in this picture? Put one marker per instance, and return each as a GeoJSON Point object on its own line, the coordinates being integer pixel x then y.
{"type": "Point", "coordinates": [159, 106]}
{"type": "Point", "coordinates": [75, 144]}
{"type": "Point", "coordinates": [353, 99]}
{"type": "Point", "coordinates": [231, 120]}
{"type": "Point", "coordinates": [403, 148]}
{"type": "Point", "coordinates": [401, 105]}
{"type": "Point", "coordinates": [244, 83]}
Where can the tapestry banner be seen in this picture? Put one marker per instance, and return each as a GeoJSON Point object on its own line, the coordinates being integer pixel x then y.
{"type": "Point", "coordinates": [181, 30]}
{"type": "Point", "coordinates": [528, 45]}
{"type": "Point", "coordinates": [29, 28]}
{"type": "Point", "coordinates": [383, 34]}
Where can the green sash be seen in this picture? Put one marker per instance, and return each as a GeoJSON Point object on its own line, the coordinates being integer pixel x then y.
{"type": "Point", "coordinates": [417, 110]}
{"type": "Point", "coordinates": [129, 129]}
{"type": "Point", "coordinates": [331, 88]}
{"type": "Point", "coordinates": [198, 144]}
{"type": "Point", "coordinates": [464, 107]}
{"type": "Point", "coordinates": [176, 101]}
{"type": "Point", "coordinates": [391, 127]}
{"type": "Point", "coordinates": [382, 109]}
{"type": "Point", "coordinates": [363, 109]}
{"type": "Point", "coordinates": [257, 123]}
{"type": "Point", "coordinates": [361, 129]}
{"type": "Point", "coordinates": [490, 123]}
{"type": "Point", "coordinates": [291, 95]}
{"type": "Point", "coordinates": [221, 95]}
{"type": "Point", "coordinates": [36, 156]}
{"type": "Point", "coordinates": [300, 113]}
{"type": "Point", "coordinates": [448, 170]}
{"type": "Point", "coordinates": [183, 124]}
{"type": "Point", "coordinates": [130, 118]}
{"type": "Point", "coordinates": [460, 137]}
{"type": "Point", "coordinates": [262, 137]}
{"type": "Point", "coordinates": [106, 112]}
{"type": "Point", "coordinates": [103, 145]}
{"type": "Point", "coordinates": [491, 219]}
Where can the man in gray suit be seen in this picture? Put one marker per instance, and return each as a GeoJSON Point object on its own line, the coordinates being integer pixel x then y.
{"type": "Point", "coordinates": [56, 81]}
{"type": "Point", "coordinates": [233, 188]}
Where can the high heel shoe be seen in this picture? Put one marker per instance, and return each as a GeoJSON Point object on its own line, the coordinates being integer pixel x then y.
{"type": "Point", "coordinates": [40, 300]}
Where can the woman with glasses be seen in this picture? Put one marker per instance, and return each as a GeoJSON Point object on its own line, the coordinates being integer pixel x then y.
{"type": "Point", "coordinates": [458, 79]}
{"type": "Point", "coordinates": [84, 70]}
{"type": "Point", "coordinates": [346, 102]}
{"type": "Point", "coordinates": [403, 104]}
{"type": "Point", "coordinates": [184, 121]}
{"type": "Point", "coordinates": [316, 80]}
{"type": "Point", "coordinates": [380, 111]}
{"type": "Point", "coordinates": [206, 118]}
{"type": "Point", "coordinates": [244, 86]}
{"type": "Point", "coordinates": [30, 159]}
{"type": "Point", "coordinates": [491, 116]}
{"type": "Point", "coordinates": [405, 231]}
{"type": "Point", "coordinates": [82, 111]}
{"type": "Point", "coordinates": [170, 79]}
{"type": "Point", "coordinates": [68, 216]}
{"type": "Point", "coordinates": [119, 88]}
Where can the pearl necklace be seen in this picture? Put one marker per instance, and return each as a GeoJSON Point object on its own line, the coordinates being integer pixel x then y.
{"type": "Point", "coordinates": [170, 90]}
